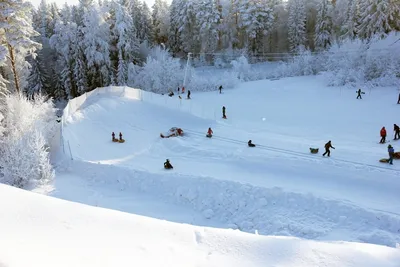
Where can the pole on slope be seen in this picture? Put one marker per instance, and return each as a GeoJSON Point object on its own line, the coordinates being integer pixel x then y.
{"type": "Point", "coordinates": [70, 151]}
{"type": "Point", "coordinates": [187, 66]}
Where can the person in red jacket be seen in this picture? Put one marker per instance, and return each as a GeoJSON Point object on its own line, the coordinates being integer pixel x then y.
{"type": "Point", "coordinates": [383, 135]}
{"type": "Point", "coordinates": [209, 132]}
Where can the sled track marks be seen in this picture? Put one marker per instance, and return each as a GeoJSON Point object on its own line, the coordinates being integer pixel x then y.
{"type": "Point", "coordinates": [270, 211]}
{"type": "Point", "coordinates": [301, 155]}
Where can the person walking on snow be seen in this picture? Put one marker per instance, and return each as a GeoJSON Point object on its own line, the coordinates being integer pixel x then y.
{"type": "Point", "coordinates": [209, 132]}
{"type": "Point", "coordinates": [359, 93]}
{"type": "Point", "coordinates": [220, 89]}
{"type": "Point", "coordinates": [327, 148]}
{"type": "Point", "coordinates": [396, 130]}
{"type": "Point", "coordinates": [398, 101]}
{"type": "Point", "coordinates": [383, 135]}
{"type": "Point", "coordinates": [391, 154]}
{"type": "Point", "coordinates": [223, 112]}
{"type": "Point", "coordinates": [188, 95]}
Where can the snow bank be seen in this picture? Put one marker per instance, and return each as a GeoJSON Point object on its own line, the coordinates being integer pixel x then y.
{"type": "Point", "coordinates": [53, 232]}
{"type": "Point", "coordinates": [270, 211]}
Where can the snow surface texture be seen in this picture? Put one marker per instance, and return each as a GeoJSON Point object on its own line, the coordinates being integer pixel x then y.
{"type": "Point", "coordinates": [277, 188]}
{"type": "Point", "coordinates": [63, 233]}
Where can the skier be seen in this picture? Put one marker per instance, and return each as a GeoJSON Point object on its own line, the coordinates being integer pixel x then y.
{"type": "Point", "coordinates": [209, 132]}
{"type": "Point", "coordinates": [359, 93]}
{"type": "Point", "coordinates": [250, 144]}
{"type": "Point", "coordinates": [383, 135]}
{"type": "Point", "coordinates": [188, 95]}
{"type": "Point", "coordinates": [220, 89]}
{"type": "Point", "coordinates": [223, 112]}
{"type": "Point", "coordinates": [327, 148]}
{"type": "Point", "coordinates": [396, 132]}
{"type": "Point", "coordinates": [167, 165]}
{"type": "Point", "coordinates": [391, 153]}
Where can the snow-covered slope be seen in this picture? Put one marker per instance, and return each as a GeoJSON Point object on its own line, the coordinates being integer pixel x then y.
{"type": "Point", "coordinates": [38, 230]}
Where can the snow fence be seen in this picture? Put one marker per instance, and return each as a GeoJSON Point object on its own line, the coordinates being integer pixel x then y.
{"type": "Point", "coordinates": [174, 102]}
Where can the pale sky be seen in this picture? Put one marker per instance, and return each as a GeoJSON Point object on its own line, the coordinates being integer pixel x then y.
{"type": "Point", "coordinates": [60, 3]}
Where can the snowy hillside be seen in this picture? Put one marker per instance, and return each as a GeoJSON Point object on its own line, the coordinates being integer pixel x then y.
{"type": "Point", "coordinates": [276, 188]}
{"type": "Point", "coordinates": [41, 231]}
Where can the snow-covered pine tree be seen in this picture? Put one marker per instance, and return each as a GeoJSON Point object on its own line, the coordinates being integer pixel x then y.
{"type": "Point", "coordinates": [143, 23]}
{"type": "Point", "coordinates": [376, 17]}
{"type": "Point", "coordinates": [323, 27]}
{"type": "Point", "coordinates": [256, 20]}
{"type": "Point", "coordinates": [38, 81]}
{"type": "Point", "coordinates": [187, 26]}
{"type": "Point", "coordinates": [126, 42]}
{"type": "Point", "coordinates": [96, 45]}
{"type": "Point", "coordinates": [160, 21]}
{"type": "Point", "coordinates": [351, 21]}
{"type": "Point", "coordinates": [44, 13]}
{"type": "Point", "coordinates": [296, 24]}
{"type": "Point", "coordinates": [64, 42]}
{"type": "Point", "coordinates": [18, 34]}
{"type": "Point", "coordinates": [208, 17]}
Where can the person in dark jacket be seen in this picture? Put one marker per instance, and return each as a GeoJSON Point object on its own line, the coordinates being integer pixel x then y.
{"type": "Point", "coordinates": [188, 95]}
{"type": "Point", "coordinates": [359, 94]}
{"type": "Point", "coordinates": [250, 144]}
{"type": "Point", "coordinates": [167, 165]}
{"type": "Point", "coordinates": [327, 148]}
{"type": "Point", "coordinates": [220, 90]}
{"type": "Point", "coordinates": [391, 154]}
{"type": "Point", "coordinates": [398, 101]}
{"type": "Point", "coordinates": [396, 129]}
{"type": "Point", "coordinates": [383, 135]}
{"type": "Point", "coordinates": [223, 112]}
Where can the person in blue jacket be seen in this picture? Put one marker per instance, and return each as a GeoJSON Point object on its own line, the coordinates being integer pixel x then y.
{"type": "Point", "coordinates": [391, 153]}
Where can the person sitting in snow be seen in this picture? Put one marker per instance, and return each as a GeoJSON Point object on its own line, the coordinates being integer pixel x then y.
{"type": "Point", "coordinates": [170, 93]}
{"type": "Point", "coordinates": [396, 130]}
{"type": "Point", "coordinates": [209, 132]}
{"type": "Point", "coordinates": [250, 144]}
{"type": "Point", "coordinates": [167, 165]}
{"type": "Point", "coordinates": [391, 154]}
{"type": "Point", "coordinates": [327, 148]}
{"type": "Point", "coordinates": [383, 135]}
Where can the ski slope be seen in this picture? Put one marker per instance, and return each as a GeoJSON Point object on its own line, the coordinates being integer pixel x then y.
{"type": "Point", "coordinates": [38, 230]}
{"type": "Point", "coordinates": [277, 188]}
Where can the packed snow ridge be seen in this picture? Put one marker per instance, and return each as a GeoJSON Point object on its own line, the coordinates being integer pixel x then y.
{"type": "Point", "coordinates": [277, 188]}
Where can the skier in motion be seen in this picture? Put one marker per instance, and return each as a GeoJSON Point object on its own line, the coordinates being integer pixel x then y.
{"type": "Point", "coordinates": [327, 148]}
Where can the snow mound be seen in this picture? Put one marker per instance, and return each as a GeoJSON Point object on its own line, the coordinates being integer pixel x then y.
{"type": "Point", "coordinates": [54, 232]}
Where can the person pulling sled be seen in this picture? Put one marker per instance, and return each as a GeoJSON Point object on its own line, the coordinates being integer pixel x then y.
{"type": "Point", "coordinates": [250, 144]}
{"type": "Point", "coordinates": [209, 133]}
{"type": "Point", "coordinates": [328, 146]}
{"type": "Point", "coordinates": [391, 154]}
{"type": "Point", "coordinates": [167, 165]}
{"type": "Point", "coordinates": [359, 92]}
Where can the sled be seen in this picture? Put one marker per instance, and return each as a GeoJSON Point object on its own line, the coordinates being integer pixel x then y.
{"type": "Point", "coordinates": [396, 155]}
{"type": "Point", "coordinates": [314, 150]}
{"type": "Point", "coordinates": [209, 135]}
{"type": "Point", "coordinates": [384, 160]}
{"type": "Point", "coordinates": [115, 140]}
{"type": "Point", "coordinates": [173, 132]}
{"type": "Point", "coordinates": [121, 141]}
{"type": "Point", "coordinates": [251, 145]}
